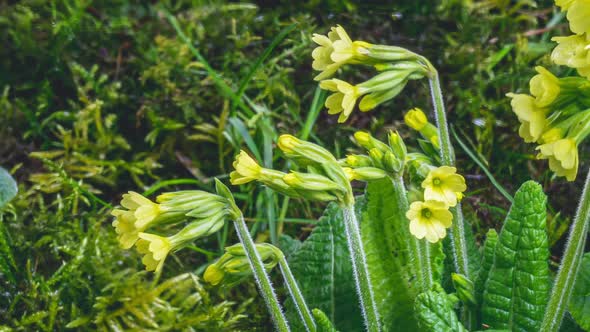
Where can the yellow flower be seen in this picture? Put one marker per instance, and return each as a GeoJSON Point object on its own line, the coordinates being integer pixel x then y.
{"type": "Point", "coordinates": [563, 157]}
{"type": "Point", "coordinates": [578, 15]}
{"type": "Point", "coordinates": [544, 86]}
{"type": "Point", "coordinates": [246, 169]}
{"type": "Point", "coordinates": [564, 4]}
{"type": "Point", "coordinates": [573, 51]}
{"type": "Point", "coordinates": [335, 50]}
{"type": "Point", "coordinates": [532, 118]}
{"type": "Point", "coordinates": [343, 99]}
{"type": "Point", "coordinates": [346, 50]}
{"type": "Point", "coordinates": [125, 227]}
{"type": "Point", "coordinates": [442, 184]}
{"type": "Point", "coordinates": [416, 119]}
{"type": "Point", "coordinates": [429, 220]}
{"type": "Point", "coordinates": [144, 210]}
{"type": "Point", "coordinates": [155, 249]}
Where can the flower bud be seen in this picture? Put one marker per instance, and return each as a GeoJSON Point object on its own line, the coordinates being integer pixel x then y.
{"type": "Point", "coordinates": [358, 160]}
{"type": "Point", "coordinates": [233, 267]}
{"type": "Point", "coordinates": [377, 157]}
{"type": "Point", "coordinates": [365, 173]}
{"type": "Point", "coordinates": [397, 145]}
{"type": "Point", "coordinates": [415, 119]}
{"type": "Point", "coordinates": [368, 142]}
{"type": "Point", "coordinates": [310, 181]}
{"type": "Point", "coordinates": [392, 163]}
{"type": "Point", "coordinates": [296, 148]}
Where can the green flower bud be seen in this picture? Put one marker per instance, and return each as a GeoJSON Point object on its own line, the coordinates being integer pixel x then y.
{"type": "Point", "coordinates": [233, 267]}
{"type": "Point", "coordinates": [310, 181]}
{"type": "Point", "coordinates": [355, 160]}
{"type": "Point", "coordinates": [377, 157]}
{"type": "Point", "coordinates": [369, 142]}
{"type": "Point", "coordinates": [397, 145]}
{"type": "Point", "coordinates": [392, 163]}
{"type": "Point", "coordinates": [365, 173]}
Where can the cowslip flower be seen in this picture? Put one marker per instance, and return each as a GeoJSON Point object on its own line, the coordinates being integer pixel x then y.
{"type": "Point", "coordinates": [140, 214]}
{"type": "Point", "coordinates": [246, 169]}
{"type": "Point", "coordinates": [443, 184]}
{"type": "Point", "coordinates": [532, 119]}
{"type": "Point", "coordinates": [544, 87]}
{"type": "Point", "coordinates": [563, 157]}
{"type": "Point", "coordinates": [578, 13]}
{"type": "Point", "coordinates": [429, 220]}
{"type": "Point", "coordinates": [156, 248]}
{"type": "Point", "coordinates": [335, 50]}
{"type": "Point", "coordinates": [573, 51]}
{"type": "Point", "coordinates": [344, 98]}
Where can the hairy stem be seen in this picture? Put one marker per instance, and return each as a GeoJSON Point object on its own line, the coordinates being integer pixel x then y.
{"type": "Point", "coordinates": [570, 264]}
{"type": "Point", "coordinates": [419, 251]}
{"type": "Point", "coordinates": [360, 270]}
{"type": "Point", "coordinates": [447, 155]}
{"type": "Point", "coordinates": [261, 277]}
{"type": "Point", "coordinates": [296, 295]}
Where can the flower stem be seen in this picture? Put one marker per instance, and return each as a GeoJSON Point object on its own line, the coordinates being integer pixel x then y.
{"type": "Point", "coordinates": [419, 251]}
{"type": "Point", "coordinates": [296, 295]}
{"type": "Point", "coordinates": [457, 235]}
{"type": "Point", "coordinates": [260, 275]}
{"type": "Point", "coordinates": [360, 270]}
{"type": "Point", "coordinates": [570, 264]}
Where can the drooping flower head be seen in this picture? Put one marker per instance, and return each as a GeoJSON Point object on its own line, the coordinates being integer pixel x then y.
{"type": "Point", "coordinates": [573, 51]}
{"type": "Point", "coordinates": [443, 184]}
{"type": "Point", "coordinates": [140, 214]}
{"type": "Point", "coordinates": [429, 220]}
{"type": "Point", "coordinates": [544, 87]}
{"type": "Point", "coordinates": [578, 13]}
{"type": "Point", "coordinates": [344, 98]}
{"type": "Point", "coordinates": [563, 157]}
{"type": "Point", "coordinates": [532, 119]}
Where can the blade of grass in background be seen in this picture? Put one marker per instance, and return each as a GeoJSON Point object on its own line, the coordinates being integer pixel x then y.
{"type": "Point", "coordinates": [482, 166]}
{"type": "Point", "coordinates": [316, 106]}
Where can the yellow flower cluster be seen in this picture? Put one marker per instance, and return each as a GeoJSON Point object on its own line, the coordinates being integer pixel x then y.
{"type": "Point", "coordinates": [205, 211]}
{"type": "Point", "coordinates": [555, 115]}
{"type": "Point", "coordinates": [430, 218]}
{"type": "Point", "coordinates": [395, 64]}
{"type": "Point", "coordinates": [382, 160]}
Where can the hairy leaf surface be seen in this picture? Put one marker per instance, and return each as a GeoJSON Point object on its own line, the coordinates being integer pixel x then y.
{"type": "Point", "coordinates": [385, 233]}
{"type": "Point", "coordinates": [8, 190]}
{"type": "Point", "coordinates": [517, 288]}
{"type": "Point", "coordinates": [323, 270]}
{"type": "Point", "coordinates": [435, 313]}
{"type": "Point", "coordinates": [579, 305]}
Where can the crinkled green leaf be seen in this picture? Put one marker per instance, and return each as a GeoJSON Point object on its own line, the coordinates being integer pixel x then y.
{"type": "Point", "coordinates": [488, 250]}
{"type": "Point", "coordinates": [8, 188]}
{"type": "Point", "coordinates": [579, 305]}
{"type": "Point", "coordinates": [386, 235]}
{"type": "Point", "coordinates": [435, 313]}
{"type": "Point", "coordinates": [517, 288]}
{"type": "Point", "coordinates": [323, 270]}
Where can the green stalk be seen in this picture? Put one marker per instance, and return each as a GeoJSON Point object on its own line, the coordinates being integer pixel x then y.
{"type": "Point", "coordinates": [419, 251]}
{"type": "Point", "coordinates": [360, 270]}
{"type": "Point", "coordinates": [296, 295]}
{"type": "Point", "coordinates": [260, 275]}
{"type": "Point", "coordinates": [457, 235]}
{"type": "Point", "coordinates": [570, 264]}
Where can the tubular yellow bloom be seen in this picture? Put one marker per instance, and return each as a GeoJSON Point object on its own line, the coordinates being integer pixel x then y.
{"type": "Point", "coordinates": [532, 118]}
{"type": "Point", "coordinates": [364, 173]}
{"type": "Point", "coordinates": [415, 119]}
{"type": "Point", "coordinates": [346, 50]}
{"type": "Point", "coordinates": [573, 51]}
{"type": "Point", "coordinates": [144, 210]}
{"type": "Point", "coordinates": [563, 157]}
{"type": "Point", "coordinates": [155, 249]}
{"type": "Point", "coordinates": [246, 169]}
{"type": "Point", "coordinates": [125, 227]}
{"type": "Point", "coordinates": [544, 86]}
{"type": "Point", "coordinates": [578, 15]}
{"type": "Point", "coordinates": [442, 184]}
{"type": "Point", "coordinates": [322, 60]}
{"type": "Point", "coordinates": [429, 220]}
{"type": "Point", "coordinates": [343, 99]}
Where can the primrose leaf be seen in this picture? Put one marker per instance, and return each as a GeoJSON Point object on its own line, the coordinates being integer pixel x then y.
{"type": "Point", "coordinates": [8, 188]}
{"type": "Point", "coordinates": [517, 289]}
{"type": "Point", "coordinates": [579, 305]}
{"type": "Point", "coordinates": [435, 312]}
{"type": "Point", "coordinates": [386, 233]}
{"type": "Point", "coordinates": [323, 270]}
